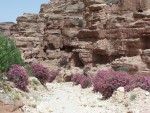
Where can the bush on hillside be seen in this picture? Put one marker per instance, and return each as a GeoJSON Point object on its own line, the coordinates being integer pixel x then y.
{"type": "Point", "coordinates": [107, 81]}
{"type": "Point", "coordinates": [76, 78]}
{"type": "Point", "coordinates": [85, 82]}
{"type": "Point", "coordinates": [53, 75]}
{"type": "Point", "coordinates": [40, 72]}
{"type": "Point", "coordinates": [123, 68]}
{"type": "Point", "coordinates": [18, 76]}
{"type": "Point", "coordinates": [81, 79]}
{"type": "Point", "coordinates": [112, 1]}
{"type": "Point", "coordinates": [80, 23]}
{"type": "Point", "coordinates": [63, 61]}
{"type": "Point", "coordinates": [9, 54]}
{"type": "Point", "coordinates": [142, 81]}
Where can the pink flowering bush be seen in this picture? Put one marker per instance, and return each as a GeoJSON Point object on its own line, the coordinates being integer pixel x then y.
{"type": "Point", "coordinates": [76, 78]}
{"type": "Point", "coordinates": [85, 82]}
{"type": "Point", "coordinates": [40, 72]}
{"type": "Point", "coordinates": [81, 79]}
{"type": "Point", "coordinates": [63, 61]}
{"type": "Point", "coordinates": [146, 84]}
{"type": "Point", "coordinates": [53, 75]}
{"type": "Point", "coordinates": [142, 81]}
{"type": "Point", "coordinates": [107, 81]}
{"type": "Point", "coordinates": [18, 75]}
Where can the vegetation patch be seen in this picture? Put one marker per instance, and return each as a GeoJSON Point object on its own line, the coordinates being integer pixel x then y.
{"type": "Point", "coordinates": [18, 76]}
{"type": "Point", "coordinates": [81, 79]}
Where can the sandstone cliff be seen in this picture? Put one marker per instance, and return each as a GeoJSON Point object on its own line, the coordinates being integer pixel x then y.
{"type": "Point", "coordinates": [90, 32]}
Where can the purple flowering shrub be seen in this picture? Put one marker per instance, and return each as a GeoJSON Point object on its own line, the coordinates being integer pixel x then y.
{"type": "Point", "coordinates": [40, 72]}
{"type": "Point", "coordinates": [85, 82]}
{"type": "Point", "coordinates": [142, 81]}
{"type": "Point", "coordinates": [107, 81]}
{"type": "Point", "coordinates": [81, 79]}
{"type": "Point", "coordinates": [53, 75]}
{"type": "Point", "coordinates": [63, 61]}
{"type": "Point", "coordinates": [76, 78]}
{"type": "Point", "coordinates": [145, 85]}
{"type": "Point", "coordinates": [18, 75]}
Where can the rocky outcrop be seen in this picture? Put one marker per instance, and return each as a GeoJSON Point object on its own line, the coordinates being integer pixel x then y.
{"type": "Point", "coordinates": [5, 28]}
{"type": "Point", "coordinates": [48, 35]}
{"type": "Point", "coordinates": [11, 108]}
{"type": "Point", "coordinates": [112, 32]}
{"type": "Point", "coordinates": [146, 57]}
{"type": "Point", "coordinates": [90, 32]}
{"type": "Point", "coordinates": [9, 99]}
{"type": "Point", "coordinates": [132, 64]}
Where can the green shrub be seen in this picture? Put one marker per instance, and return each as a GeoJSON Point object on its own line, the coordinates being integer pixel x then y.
{"type": "Point", "coordinates": [112, 1]}
{"type": "Point", "coordinates": [9, 54]}
{"type": "Point", "coordinates": [80, 23]}
{"type": "Point", "coordinates": [123, 68]}
{"type": "Point", "coordinates": [28, 70]}
{"type": "Point", "coordinates": [133, 97]}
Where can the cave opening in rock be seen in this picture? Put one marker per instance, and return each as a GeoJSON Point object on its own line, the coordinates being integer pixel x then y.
{"type": "Point", "coordinates": [100, 58]}
{"type": "Point", "coordinates": [145, 42]}
{"type": "Point", "coordinates": [114, 57]}
{"type": "Point", "coordinates": [76, 60]}
{"type": "Point", "coordinates": [48, 47]}
{"type": "Point", "coordinates": [51, 47]}
{"type": "Point", "coordinates": [140, 10]}
{"type": "Point", "coordinates": [67, 48]}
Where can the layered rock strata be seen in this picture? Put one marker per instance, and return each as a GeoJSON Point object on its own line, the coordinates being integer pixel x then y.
{"type": "Point", "coordinates": [47, 35]}
{"type": "Point", "coordinates": [90, 32]}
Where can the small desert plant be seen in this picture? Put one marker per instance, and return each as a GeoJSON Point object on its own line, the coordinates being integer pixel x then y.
{"type": "Point", "coordinates": [86, 71]}
{"type": "Point", "coordinates": [123, 68]}
{"type": "Point", "coordinates": [63, 61]}
{"type": "Point", "coordinates": [133, 97]}
{"type": "Point", "coordinates": [27, 69]}
{"type": "Point", "coordinates": [40, 72]}
{"type": "Point", "coordinates": [142, 81]}
{"type": "Point", "coordinates": [80, 23]}
{"type": "Point", "coordinates": [18, 75]}
{"type": "Point", "coordinates": [76, 78]}
{"type": "Point", "coordinates": [81, 79]}
{"type": "Point", "coordinates": [53, 75]}
{"type": "Point", "coordinates": [107, 81]}
{"type": "Point", "coordinates": [112, 1]}
{"type": "Point", "coordinates": [85, 82]}
{"type": "Point", "coordinates": [35, 82]}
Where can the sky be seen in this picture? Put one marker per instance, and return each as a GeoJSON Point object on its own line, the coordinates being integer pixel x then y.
{"type": "Point", "coordinates": [11, 9]}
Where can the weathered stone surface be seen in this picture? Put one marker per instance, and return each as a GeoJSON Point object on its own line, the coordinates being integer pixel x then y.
{"type": "Point", "coordinates": [134, 64]}
{"type": "Point", "coordinates": [5, 28]}
{"type": "Point", "coordinates": [93, 31]}
{"type": "Point", "coordinates": [8, 105]}
{"type": "Point", "coordinates": [146, 57]}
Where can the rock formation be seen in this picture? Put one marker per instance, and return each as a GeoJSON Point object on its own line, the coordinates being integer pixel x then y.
{"type": "Point", "coordinates": [5, 28]}
{"type": "Point", "coordinates": [48, 35]}
{"type": "Point", "coordinates": [90, 32]}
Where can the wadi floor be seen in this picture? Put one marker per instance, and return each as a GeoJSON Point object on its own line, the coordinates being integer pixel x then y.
{"type": "Point", "coordinates": [68, 98]}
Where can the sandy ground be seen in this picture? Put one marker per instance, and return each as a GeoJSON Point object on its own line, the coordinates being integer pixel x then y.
{"type": "Point", "coordinates": [67, 98]}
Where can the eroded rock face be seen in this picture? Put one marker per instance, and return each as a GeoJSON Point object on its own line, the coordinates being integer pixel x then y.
{"type": "Point", "coordinates": [48, 35]}
{"type": "Point", "coordinates": [113, 31]}
{"type": "Point", "coordinates": [5, 28]}
{"type": "Point", "coordinates": [133, 64]}
{"type": "Point", "coordinates": [11, 108]}
{"type": "Point", "coordinates": [90, 31]}
{"type": "Point", "coordinates": [146, 57]}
